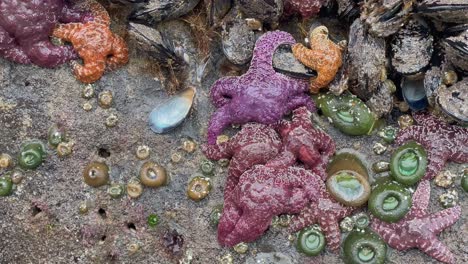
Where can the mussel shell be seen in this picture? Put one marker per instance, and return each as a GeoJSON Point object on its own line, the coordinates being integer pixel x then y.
{"type": "Point", "coordinates": [267, 11]}
{"type": "Point", "coordinates": [381, 102]}
{"type": "Point", "coordinates": [171, 113]}
{"type": "Point", "coordinates": [386, 17]}
{"type": "Point", "coordinates": [238, 41]}
{"type": "Point", "coordinates": [456, 49]}
{"type": "Point", "coordinates": [347, 9]}
{"type": "Point", "coordinates": [454, 11]}
{"type": "Point", "coordinates": [412, 48]}
{"type": "Point", "coordinates": [284, 62]}
{"type": "Point", "coordinates": [365, 72]}
{"type": "Point", "coordinates": [453, 100]}
{"type": "Point", "coordinates": [217, 9]}
{"type": "Point", "coordinates": [432, 82]}
{"type": "Point", "coordinates": [414, 93]}
{"type": "Point", "coordinates": [155, 11]}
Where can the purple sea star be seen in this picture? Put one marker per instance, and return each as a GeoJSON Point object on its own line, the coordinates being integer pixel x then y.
{"type": "Point", "coordinates": [326, 212]}
{"type": "Point", "coordinates": [260, 95]}
{"type": "Point", "coordinates": [443, 142]}
{"type": "Point", "coordinates": [253, 144]}
{"type": "Point", "coordinates": [419, 228]}
{"type": "Point", "coordinates": [302, 141]}
{"type": "Point", "coordinates": [25, 27]}
{"type": "Point", "coordinates": [263, 192]}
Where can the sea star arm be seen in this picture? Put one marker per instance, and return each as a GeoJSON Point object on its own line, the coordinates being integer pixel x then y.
{"type": "Point", "coordinates": [219, 121]}
{"type": "Point", "coordinates": [99, 12]}
{"type": "Point", "coordinates": [305, 218]}
{"type": "Point", "coordinates": [265, 47]}
{"type": "Point", "coordinates": [301, 100]}
{"type": "Point", "coordinates": [285, 159]}
{"type": "Point", "coordinates": [119, 53]}
{"type": "Point", "coordinates": [10, 50]}
{"type": "Point", "coordinates": [46, 54]}
{"type": "Point", "coordinates": [305, 55]}
{"type": "Point", "coordinates": [331, 229]}
{"type": "Point", "coordinates": [436, 161]}
{"type": "Point", "coordinates": [66, 31]}
{"type": "Point", "coordinates": [217, 151]}
{"type": "Point", "coordinates": [416, 133]}
{"type": "Point", "coordinates": [420, 200]}
{"type": "Point", "coordinates": [443, 219]}
{"type": "Point", "coordinates": [91, 71]}
{"type": "Point", "coordinates": [436, 249]}
{"type": "Point", "coordinates": [70, 15]}
{"type": "Point", "coordinates": [223, 91]}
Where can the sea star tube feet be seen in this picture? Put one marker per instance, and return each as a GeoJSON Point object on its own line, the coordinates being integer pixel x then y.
{"type": "Point", "coordinates": [419, 229]}
{"type": "Point", "coordinates": [326, 212]}
{"type": "Point", "coordinates": [324, 56]}
{"type": "Point", "coordinates": [263, 192]}
{"type": "Point", "coordinates": [95, 44]}
{"type": "Point", "coordinates": [260, 95]}
{"type": "Point", "coordinates": [254, 144]}
{"type": "Point", "coordinates": [25, 27]}
{"type": "Point", "coordinates": [443, 142]}
{"type": "Point", "coordinates": [302, 141]}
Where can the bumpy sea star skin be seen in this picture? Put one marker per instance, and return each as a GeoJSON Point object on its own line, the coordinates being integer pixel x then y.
{"type": "Point", "coordinates": [419, 229]}
{"type": "Point", "coordinates": [302, 141]}
{"type": "Point", "coordinates": [324, 56]}
{"type": "Point", "coordinates": [443, 142]}
{"type": "Point", "coordinates": [253, 144]}
{"type": "Point", "coordinates": [260, 95]}
{"type": "Point", "coordinates": [95, 44]}
{"type": "Point", "coordinates": [262, 193]}
{"type": "Point", "coordinates": [326, 212]}
{"type": "Point", "coordinates": [307, 8]}
{"type": "Point", "coordinates": [25, 27]}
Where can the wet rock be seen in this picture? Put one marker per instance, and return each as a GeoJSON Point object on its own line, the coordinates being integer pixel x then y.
{"type": "Point", "coordinates": [285, 62]}
{"type": "Point", "coordinates": [267, 11]}
{"type": "Point", "coordinates": [454, 100]}
{"type": "Point", "coordinates": [273, 257]}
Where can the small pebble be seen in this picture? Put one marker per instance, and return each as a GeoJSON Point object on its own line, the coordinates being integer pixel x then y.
{"type": "Point", "coordinates": [444, 179]}
{"type": "Point", "coordinates": [347, 224]}
{"type": "Point", "coordinates": [222, 139]}
{"type": "Point", "coordinates": [291, 237]}
{"type": "Point", "coordinates": [449, 199]}
{"type": "Point", "coordinates": [379, 148]}
{"type": "Point", "coordinates": [189, 146]}
{"type": "Point", "coordinates": [88, 91]}
{"type": "Point", "coordinates": [405, 121]}
{"type": "Point", "coordinates": [116, 190]}
{"type": "Point", "coordinates": [83, 208]}
{"type": "Point", "coordinates": [142, 152]}
{"type": "Point", "coordinates": [65, 149]}
{"type": "Point", "coordinates": [357, 145]}
{"type": "Point", "coordinates": [17, 176]}
{"type": "Point", "coordinates": [133, 248]}
{"type": "Point", "coordinates": [223, 162]}
{"type": "Point", "coordinates": [105, 99]}
{"type": "Point", "coordinates": [87, 106]}
{"type": "Point", "coordinates": [176, 157]}
{"type": "Point", "coordinates": [380, 166]}
{"type": "Point", "coordinates": [112, 120]}
{"type": "Point", "coordinates": [5, 161]}
{"type": "Point", "coordinates": [207, 167]}
{"type": "Point", "coordinates": [403, 106]}
{"type": "Point", "coordinates": [449, 78]}
{"type": "Point", "coordinates": [134, 189]}
{"type": "Point", "coordinates": [254, 24]}
{"type": "Point", "coordinates": [388, 134]}
{"type": "Point", "coordinates": [241, 248]}
{"type": "Point", "coordinates": [227, 259]}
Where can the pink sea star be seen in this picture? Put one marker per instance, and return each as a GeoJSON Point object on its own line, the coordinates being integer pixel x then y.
{"type": "Point", "coordinates": [253, 144]}
{"type": "Point", "coordinates": [260, 95]}
{"type": "Point", "coordinates": [302, 141]}
{"type": "Point", "coordinates": [442, 141]}
{"type": "Point", "coordinates": [307, 8]}
{"type": "Point", "coordinates": [263, 192]}
{"type": "Point", "coordinates": [326, 212]}
{"type": "Point", "coordinates": [419, 228]}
